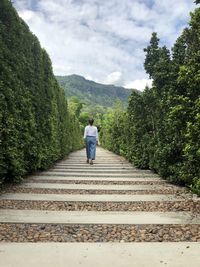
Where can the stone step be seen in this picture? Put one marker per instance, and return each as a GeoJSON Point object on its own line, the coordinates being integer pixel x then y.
{"type": "Point", "coordinates": [98, 158]}
{"type": "Point", "coordinates": [107, 167]}
{"type": "Point", "coordinates": [93, 177]}
{"type": "Point", "coordinates": [89, 197]}
{"type": "Point", "coordinates": [103, 179]}
{"type": "Point", "coordinates": [91, 170]}
{"type": "Point", "coordinates": [108, 164]}
{"type": "Point", "coordinates": [88, 167]}
{"type": "Point", "coordinates": [97, 164]}
{"type": "Point", "coordinates": [93, 217]}
{"type": "Point", "coordinates": [154, 254]}
{"type": "Point", "coordinates": [87, 174]}
{"type": "Point", "coordinates": [92, 186]}
{"type": "Point", "coordinates": [80, 154]}
{"type": "Point", "coordinates": [102, 161]}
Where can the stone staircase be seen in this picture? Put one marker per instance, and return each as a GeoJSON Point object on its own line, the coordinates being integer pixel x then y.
{"type": "Point", "coordinates": [108, 214]}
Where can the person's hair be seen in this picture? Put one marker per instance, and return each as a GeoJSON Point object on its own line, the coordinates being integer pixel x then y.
{"type": "Point", "coordinates": [91, 121]}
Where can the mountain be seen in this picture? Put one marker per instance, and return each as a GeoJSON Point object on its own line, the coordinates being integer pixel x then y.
{"type": "Point", "coordinates": [91, 92]}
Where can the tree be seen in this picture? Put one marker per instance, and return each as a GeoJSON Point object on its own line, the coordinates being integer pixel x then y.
{"type": "Point", "coordinates": [152, 55]}
{"type": "Point", "coordinates": [75, 106]}
{"type": "Point", "coordinates": [162, 125]}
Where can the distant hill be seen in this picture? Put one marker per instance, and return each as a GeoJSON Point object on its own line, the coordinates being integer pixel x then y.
{"type": "Point", "coordinates": [91, 92]}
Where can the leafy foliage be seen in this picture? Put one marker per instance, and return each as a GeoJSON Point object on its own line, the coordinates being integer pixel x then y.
{"type": "Point", "coordinates": [36, 127]}
{"type": "Point", "coordinates": [113, 134]}
{"type": "Point", "coordinates": [161, 128]}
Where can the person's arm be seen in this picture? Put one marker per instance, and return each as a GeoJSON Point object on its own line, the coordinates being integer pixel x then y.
{"type": "Point", "coordinates": [85, 133]}
{"type": "Point", "coordinates": [97, 135]}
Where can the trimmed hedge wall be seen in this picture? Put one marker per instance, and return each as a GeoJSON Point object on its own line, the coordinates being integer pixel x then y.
{"type": "Point", "coordinates": [36, 128]}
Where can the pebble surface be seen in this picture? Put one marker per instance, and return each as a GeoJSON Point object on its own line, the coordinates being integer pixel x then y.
{"type": "Point", "coordinates": [190, 205]}
{"type": "Point", "coordinates": [97, 182]}
{"type": "Point", "coordinates": [98, 233]}
{"type": "Point", "coordinates": [165, 191]}
{"type": "Point", "coordinates": [21, 232]}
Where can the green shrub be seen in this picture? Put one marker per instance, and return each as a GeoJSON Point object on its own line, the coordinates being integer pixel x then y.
{"type": "Point", "coordinates": [35, 125]}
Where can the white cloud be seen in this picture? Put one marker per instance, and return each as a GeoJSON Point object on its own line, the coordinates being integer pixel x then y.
{"type": "Point", "coordinates": [139, 84]}
{"type": "Point", "coordinates": [114, 78]}
{"type": "Point", "coordinates": [27, 15]}
{"type": "Point", "coordinates": [103, 39]}
{"type": "Point", "coordinates": [89, 78]}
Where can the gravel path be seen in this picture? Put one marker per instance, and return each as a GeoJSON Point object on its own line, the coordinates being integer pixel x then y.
{"type": "Point", "coordinates": [98, 233]}
{"type": "Point", "coordinates": [188, 205]}
{"type": "Point", "coordinates": [23, 232]}
{"type": "Point", "coordinates": [97, 182]}
{"type": "Point", "coordinates": [164, 191]}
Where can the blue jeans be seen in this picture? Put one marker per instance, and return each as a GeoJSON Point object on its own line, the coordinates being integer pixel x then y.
{"type": "Point", "coordinates": [91, 147]}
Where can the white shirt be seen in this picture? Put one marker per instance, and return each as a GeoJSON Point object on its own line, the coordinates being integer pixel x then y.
{"type": "Point", "coordinates": [91, 131]}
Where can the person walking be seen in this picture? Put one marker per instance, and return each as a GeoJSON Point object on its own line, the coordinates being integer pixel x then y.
{"type": "Point", "coordinates": [91, 139]}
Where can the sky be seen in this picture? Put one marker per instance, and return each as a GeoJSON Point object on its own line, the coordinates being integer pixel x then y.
{"type": "Point", "coordinates": [103, 40]}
